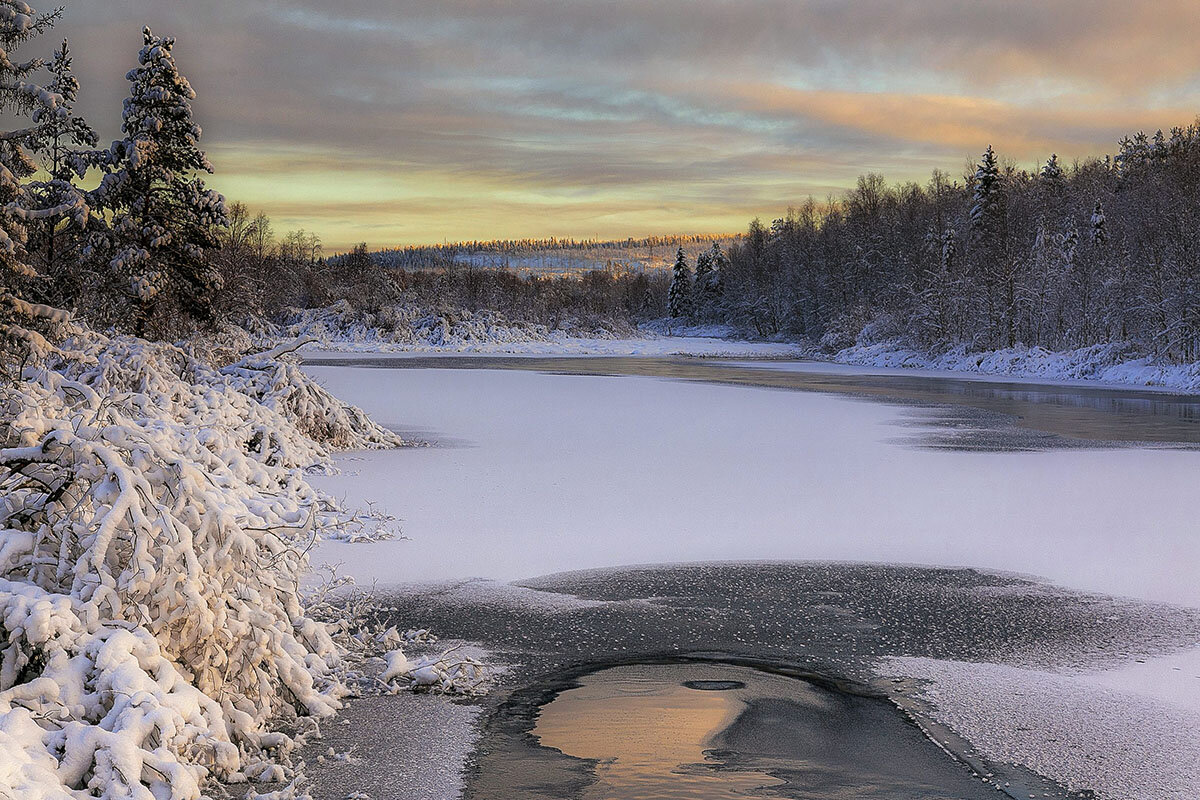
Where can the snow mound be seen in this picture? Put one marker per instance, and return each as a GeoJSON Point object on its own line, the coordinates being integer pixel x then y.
{"type": "Point", "coordinates": [154, 525]}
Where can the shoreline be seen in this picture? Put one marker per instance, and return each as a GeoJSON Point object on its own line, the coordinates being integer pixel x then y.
{"type": "Point", "coordinates": [833, 626]}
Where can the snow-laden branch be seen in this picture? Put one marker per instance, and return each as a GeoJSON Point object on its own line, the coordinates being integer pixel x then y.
{"type": "Point", "coordinates": [154, 526]}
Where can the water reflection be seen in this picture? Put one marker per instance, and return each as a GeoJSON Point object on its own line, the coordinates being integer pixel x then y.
{"type": "Point", "coordinates": [649, 732]}
{"type": "Point", "coordinates": [1083, 413]}
{"type": "Point", "coordinates": [721, 732]}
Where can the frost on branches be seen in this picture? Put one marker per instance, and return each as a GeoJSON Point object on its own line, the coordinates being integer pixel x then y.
{"type": "Point", "coordinates": [164, 218]}
{"type": "Point", "coordinates": [19, 318]}
{"type": "Point", "coordinates": [154, 521]}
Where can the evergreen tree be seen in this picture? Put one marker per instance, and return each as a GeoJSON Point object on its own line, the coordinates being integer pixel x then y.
{"type": "Point", "coordinates": [1052, 174]}
{"type": "Point", "coordinates": [20, 281]}
{"type": "Point", "coordinates": [1099, 226]}
{"type": "Point", "coordinates": [61, 133]}
{"type": "Point", "coordinates": [988, 195]}
{"type": "Point", "coordinates": [679, 295]}
{"type": "Point", "coordinates": [165, 221]}
{"type": "Point", "coordinates": [995, 273]}
{"type": "Point", "coordinates": [701, 296]}
{"type": "Point", "coordinates": [59, 142]}
{"type": "Point", "coordinates": [720, 265]}
{"type": "Point", "coordinates": [949, 251]}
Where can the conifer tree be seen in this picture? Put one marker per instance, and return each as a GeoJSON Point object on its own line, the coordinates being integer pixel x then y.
{"type": "Point", "coordinates": [701, 292]}
{"type": "Point", "coordinates": [988, 195]}
{"type": "Point", "coordinates": [720, 265]}
{"type": "Point", "coordinates": [165, 220]}
{"type": "Point", "coordinates": [1052, 174]}
{"type": "Point", "coordinates": [679, 295]}
{"type": "Point", "coordinates": [59, 142]}
{"type": "Point", "coordinates": [19, 280]}
{"type": "Point", "coordinates": [1099, 226]}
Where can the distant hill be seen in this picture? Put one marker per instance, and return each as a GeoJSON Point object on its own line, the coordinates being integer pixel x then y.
{"type": "Point", "coordinates": [548, 257]}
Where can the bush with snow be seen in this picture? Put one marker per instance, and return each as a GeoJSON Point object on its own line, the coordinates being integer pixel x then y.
{"type": "Point", "coordinates": [154, 521]}
{"type": "Point", "coordinates": [413, 327]}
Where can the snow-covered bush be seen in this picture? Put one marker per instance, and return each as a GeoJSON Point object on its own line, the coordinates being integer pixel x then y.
{"type": "Point", "coordinates": [154, 520]}
{"type": "Point", "coordinates": [413, 326]}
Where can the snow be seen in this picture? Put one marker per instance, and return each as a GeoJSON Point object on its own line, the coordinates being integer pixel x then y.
{"type": "Point", "coordinates": [1114, 364]}
{"type": "Point", "coordinates": [1117, 733]}
{"type": "Point", "coordinates": [819, 366]}
{"type": "Point", "coordinates": [568, 472]}
{"type": "Point", "coordinates": [544, 473]}
{"type": "Point", "coordinates": [571, 346]}
{"type": "Point", "coordinates": [411, 330]}
{"type": "Point", "coordinates": [154, 522]}
{"type": "Point", "coordinates": [401, 329]}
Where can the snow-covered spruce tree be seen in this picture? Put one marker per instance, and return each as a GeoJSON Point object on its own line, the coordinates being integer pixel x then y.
{"type": "Point", "coordinates": [994, 273]}
{"type": "Point", "coordinates": [701, 296]}
{"type": "Point", "coordinates": [60, 143]}
{"type": "Point", "coordinates": [1099, 226]}
{"type": "Point", "coordinates": [987, 195]}
{"type": "Point", "coordinates": [164, 220]}
{"type": "Point", "coordinates": [1052, 174]}
{"type": "Point", "coordinates": [720, 265]}
{"type": "Point", "coordinates": [679, 295]}
{"type": "Point", "coordinates": [20, 282]}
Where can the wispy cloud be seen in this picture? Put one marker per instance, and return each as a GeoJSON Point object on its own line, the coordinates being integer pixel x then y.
{"type": "Point", "coordinates": [404, 121]}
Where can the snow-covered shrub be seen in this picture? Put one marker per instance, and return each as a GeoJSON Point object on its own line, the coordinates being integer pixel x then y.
{"type": "Point", "coordinates": [445, 673]}
{"type": "Point", "coordinates": [154, 520]}
{"type": "Point", "coordinates": [409, 326]}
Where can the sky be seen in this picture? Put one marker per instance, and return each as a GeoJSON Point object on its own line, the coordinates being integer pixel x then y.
{"type": "Point", "coordinates": [415, 121]}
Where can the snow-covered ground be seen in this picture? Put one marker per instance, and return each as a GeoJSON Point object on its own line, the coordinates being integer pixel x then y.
{"type": "Point", "coordinates": [412, 329]}
{"type": "Point", "coordinates": [1113, 364]}
{"type": "Point", "coordinates": [1129, 733]}
{"type": "Point", "coordinates": [558, 344]}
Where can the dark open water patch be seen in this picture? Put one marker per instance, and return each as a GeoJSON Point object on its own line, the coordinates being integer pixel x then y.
{"type": "Point", "coordinates": [678, 729]}
{"type": "Point", "coordinates": [709, 685]}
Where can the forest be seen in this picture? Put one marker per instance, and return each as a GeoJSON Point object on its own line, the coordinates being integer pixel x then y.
{"type": "Point", "coordinates": [1066, 256]}
{"type": "Point", "coordinates": [1103, 250]}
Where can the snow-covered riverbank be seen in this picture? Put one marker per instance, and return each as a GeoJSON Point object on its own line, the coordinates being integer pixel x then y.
{"type": "Point", "coordinates": [1102, 364]}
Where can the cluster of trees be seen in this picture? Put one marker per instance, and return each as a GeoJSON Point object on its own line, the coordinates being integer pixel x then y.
{"type": "Point", "coordinates": [701, 297]}
{"type": "Point", "coordinates": [262, 274]}
{"type": "Point", "coordinates": [601, 298]}
{"type": "Point", "coordinates": [1104, 250]}
{"type": "Point", "coordinates": [150, 249]}
{"type": "Point", "coordinates": [595, 250]}
{"type": "Point", "coordinates": [135, 250]}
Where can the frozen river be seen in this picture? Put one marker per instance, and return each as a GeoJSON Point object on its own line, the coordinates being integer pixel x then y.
{"type": "Point", "coordinates": [534, 472]}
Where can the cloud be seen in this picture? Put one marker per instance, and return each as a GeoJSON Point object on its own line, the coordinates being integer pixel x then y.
{"type": "Point", "coordinates": [405, 120]}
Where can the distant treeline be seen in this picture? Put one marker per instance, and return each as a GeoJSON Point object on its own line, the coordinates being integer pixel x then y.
{"type": "Point", "coordinates": [1104, 250]}
{"type": "Point", "coordinates": [569, 253]}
